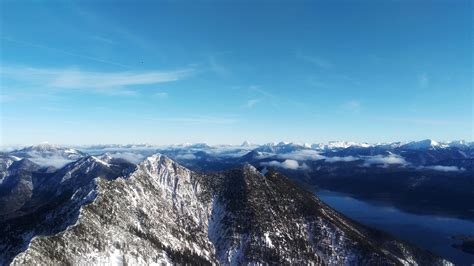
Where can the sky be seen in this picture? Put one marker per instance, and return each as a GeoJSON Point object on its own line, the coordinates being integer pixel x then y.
{"type": "Point", "coordinates": [164, 72]}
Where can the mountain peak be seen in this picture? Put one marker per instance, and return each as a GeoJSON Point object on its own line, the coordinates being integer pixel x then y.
{"type": "Point", "coordinates": [44, 147]}
{"type": "Point", "coordinates": [156, 159]}
{"type": "Point", "coordinates": [250, 168]}
{"type": "Point", "coordinates": [246, 144]}
{"type": "Point", "coordinates": [160, 166]}
{"type": "Point", "coordinates": [422, 144]}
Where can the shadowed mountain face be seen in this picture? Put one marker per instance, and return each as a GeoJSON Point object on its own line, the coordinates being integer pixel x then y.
{"type": "Point", "coordinates": [109, 211]}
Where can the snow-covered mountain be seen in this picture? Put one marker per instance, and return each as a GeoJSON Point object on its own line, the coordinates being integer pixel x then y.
{"type": "Point", "coordinates": [106, 211]}
{"type": "Point", "coordinates": [5, 162]}
{"type": "Point", "coordinates": [417, 153]}
{"type": "Point", "coordinates": [281, 147]}
{"type": "Point", "coordinates": [416, 167]}
{"type": "Point", "coordinates": [34, 202]}
{"type": "Point", "coordinates": [424, 145]}
{"type": "Point", "coordinates": [49, 154]}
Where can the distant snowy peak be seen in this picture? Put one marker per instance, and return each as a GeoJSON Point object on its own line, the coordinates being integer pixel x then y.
{"type": "Point", "coordinates": [246, 144]}
{"type": "Point", "coordinates": [46, 147]}
{"type": "Point", "coordinates": [49, 154]}
{"type": "Point", "coordinates": [346, 144]}
{"type": "Point", "coordinates": [49, 150]}
{"type": "Point", "coordinates": [428, 144]}
{"type": "Point", "coordinates": [423, 145]}
{"type": "Point", "coordinates": [281, 147]}
{"type": "Point", "coordinates": [460, 144]}
{"type": "Point", "coordinates": [338, 145]}
{"type": "Point", "coordinates": [191, 145]}
{"type": "Point", "coordinates": [413, 145]}
{"type": "Point", "coordinates": [43, 147]}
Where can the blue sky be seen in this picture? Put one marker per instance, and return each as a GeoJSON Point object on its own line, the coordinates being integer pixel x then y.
{"type": "Point", "coordinates": [81, 72]}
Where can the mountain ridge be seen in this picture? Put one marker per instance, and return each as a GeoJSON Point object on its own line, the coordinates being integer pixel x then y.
{"type": "Point", "coordinates": [211, 218]}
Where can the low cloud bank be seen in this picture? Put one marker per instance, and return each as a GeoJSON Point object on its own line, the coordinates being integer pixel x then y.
{"type": "Point", "coordinates": [341, 159]}
{"type": "Point", "coordinates": [443, 168]}
{"type": "Point", "coordinates": [54, 161]}
{"type": "Point", "coordinates": [132, 157]}
{"type": "Point", "coordinates": [302, 155]}
{"type": "Point", "coordinates": [287, 164]}
{"type": "Point", "coordinates": [384, 160]}
{"type": "Point", "coordinates": [186, 156]}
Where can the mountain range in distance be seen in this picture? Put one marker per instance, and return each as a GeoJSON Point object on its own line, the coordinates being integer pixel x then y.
{"type": "Point", "coordinates": [422, 176]}
{"type": "Point", "coordinates": [225, 204]}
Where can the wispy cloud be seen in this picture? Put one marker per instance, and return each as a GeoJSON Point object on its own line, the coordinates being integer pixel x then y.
{"type": "Point", "coordinates": [352, 105]}
{"type": "Point", "coordinates": [316, 82]}
{"type": "Point", "coordinates": [217, 67]}
{"type": "Point", "coordinates": [95, 80]}
{"type": "Point", "coordinates": [287, 164]}
{"type": "Point", "coordinates": [15, 95]}
{"type": "Point", "coordinates": [251, 103]}
{"type": "Point", "coordinates": [443, 168]}
{"type": "Point", "coordinates": [262, 92]}
{"type": "Point", "coordinates": [315, 60]}
{"type": "Point", "coordinates": [69, 53]}
{"type": "Point", "coordinates": [384, 160]}
{"type": "Point", "coordinates": [161, 95]}
{"type": "Point", "coordinates": [341, 159]}
{"type": "Point", "coordinates": [53, 109]}
{"type": "Point", "coordinates": [186, 156]}
{"type": "Point", "coordinates": [263, 96]}
{"type": "Point", "coordinates": [131, 156]}
{"type": "Point", "coordinates": [102, 39]}
{"type": "Point", "coordinates": [89, 80]}
{"type": "Point", "coordinates": [302, 155]}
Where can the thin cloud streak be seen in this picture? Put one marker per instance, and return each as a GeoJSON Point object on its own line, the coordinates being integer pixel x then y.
{"type": "Point", "coordinates": [79, 79]}
{"type": "Point", "coordinates": [262, 92]}
{"type": "Point", "coordinates": [102, 39]}
{"type": "Point", "coordinates": [161, 95]}
{"type": "Point", "coordinates": [87, 80]}
{"type": "Point", "coordinates": [252, 103]}
{"type": "Point", "coordinates": [218, 68]}
{"type": "Point", "coordinates": [352, 105]}
{"type": "Point", "coordinates": [100, 60]}
{"type": "Point", "coordinates": [317, 61]}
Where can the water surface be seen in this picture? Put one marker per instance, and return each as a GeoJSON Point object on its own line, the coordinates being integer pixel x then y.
{"type": "Point", "coordinates": [430, 232]}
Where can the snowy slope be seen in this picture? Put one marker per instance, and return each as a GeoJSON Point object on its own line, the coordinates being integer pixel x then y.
{"type": "Point", "coordinates": [163, 212]}
{"type": "Point", "coordinates": [52, 201]}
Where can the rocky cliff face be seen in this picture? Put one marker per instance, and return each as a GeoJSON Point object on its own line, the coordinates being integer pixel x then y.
{"type": "Point", "coordinates": [51, 201]}
{"type": "Point", "coordinates": [164, 213]}
{"type": "Point", "coordinates": [155, 215]}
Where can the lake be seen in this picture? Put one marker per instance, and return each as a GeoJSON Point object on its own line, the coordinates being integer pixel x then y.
{"type": "Point", "coordinates": [430, 232]}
